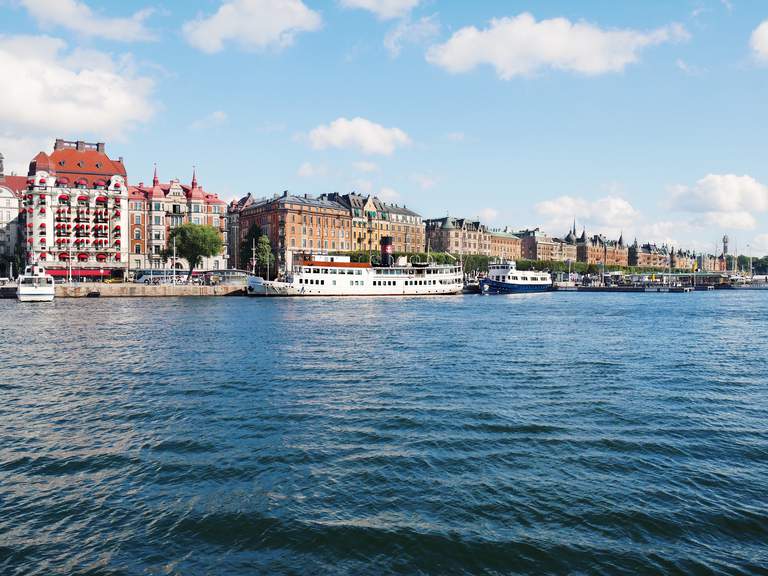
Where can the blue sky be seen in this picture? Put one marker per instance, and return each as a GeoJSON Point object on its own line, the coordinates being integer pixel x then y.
{"type": "Point", "coordinates": [644, 117]}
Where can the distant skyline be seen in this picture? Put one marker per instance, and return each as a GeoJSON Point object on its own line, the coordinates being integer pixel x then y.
{"type": "Point", "coordinates": [646, 117]}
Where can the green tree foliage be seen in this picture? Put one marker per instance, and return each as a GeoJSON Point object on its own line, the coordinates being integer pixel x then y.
{"type": "Point", "coordinates": [246, 245]}
{"type": "Point", "coordinates": [195, 242]}
{"type": "Point", "coordinates": [264, 258]}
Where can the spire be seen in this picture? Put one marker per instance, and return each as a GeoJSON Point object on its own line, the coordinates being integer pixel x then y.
{"type": "Point", "coordinates": [155, 180]}
{"type": "Point", "coordinates": [574, 227]}
{"type": "Point", "coordinates": [194, 178]}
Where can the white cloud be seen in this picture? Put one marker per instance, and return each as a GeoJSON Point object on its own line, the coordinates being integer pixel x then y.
{"type": "Point", "coordinates": [78, 92]}
{"type": "Point", "coordinates": [455, 136]}
{"type": "Point", "coordinates": [253, 24]}
{"type": "Point", "coordinates": [20, 149]}
{"type": "Point", "coordinates": [79, 17]}
{"type": "Point", "coordinates": [388, 194]}
{"type": "Point", "coordinates": [425, 182]}
{"type": "Point", "coordinates": [407, 32]}
{"type": "Point", "coordinates": [216, 118]}
{"type": "Point", "coordinates": [759, 244]}
{"type": "Point", "coordinates": [364, 166]}
{"type": "Point", "coordinates": [384, 9]}
{"type": "Point", "coordinates": [741, 220]}
{"type": "Point", "coordinates": [688, 69]}
{"type": "Point", "coordinates": [309, 170]}
{"type": "Point", "coordinates": [721, 193]}
{"type": "Point", "coordinates": [608, 215]}
{"type": "Point", "coordinates": [759, 41]}
{"type": "Point", "coordinates": [369, 137]}
{"type": "Point", "coordinates": [362, 186]}
{"type": "Point", "coordinates": [522, 46]}
{"type": "Point", "coordinates": [488, 215]}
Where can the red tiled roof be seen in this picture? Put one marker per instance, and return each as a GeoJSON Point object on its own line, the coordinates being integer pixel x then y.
{"type": "Point", "coordinates": [16, 184]}
{"type": "Point", "coordinates": [75, 164]}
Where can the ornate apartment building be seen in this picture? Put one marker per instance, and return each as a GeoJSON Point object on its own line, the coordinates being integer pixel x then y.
{"type": "Point", "coordinates": [11, 189]}
{"type": "Point", "coordinates": [648, 256]}
{"type": "Point", "coordinates": [155, 210]}
{"type": "Point", "coordinates": [372, 219]}
{"type": "Point", "coordinates": [460, 236]}
{"type": "Point", "coordinates": [75, 211]}
{"type": "Point", "coordinates": [599, 250]}
{"type": "Point", "coordinates": [536, 245]}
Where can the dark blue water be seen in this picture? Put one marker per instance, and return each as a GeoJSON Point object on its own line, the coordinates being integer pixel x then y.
{"type": "Point", "coordinates": [555, 433]}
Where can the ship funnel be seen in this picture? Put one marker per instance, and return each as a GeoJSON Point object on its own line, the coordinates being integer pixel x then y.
{"type": "Point", "coordinates": [387, 258]}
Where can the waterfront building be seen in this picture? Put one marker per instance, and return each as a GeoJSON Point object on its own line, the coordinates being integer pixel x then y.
{"type": "Point", "coordinates": [11, 189]}
{"type": "Point", "coordinates": [155, 210]}
{"type": "Point", "coordinates": [598, 249]}
{"type": "Point", "coordinates": [648, 256]}
{"type": "Point", "coordinates": [75, 211]}
{"type": "Point", "coordinates": [537, 245]}
{"type": "Point", "coordinates": [683, 259]}
{"type": "Point", "coordinates": [233, 229]}
{"type": "Point", "coordinates": [373, 219]}
{"type": "Point", "coordinates": [298, 224]}
{"type": "Point", "coordinates": [505, 245]}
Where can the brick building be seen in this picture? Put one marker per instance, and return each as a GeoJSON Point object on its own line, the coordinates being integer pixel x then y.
{"type": "Point", "coordinates": [537, 245]}
{"type": "Point", "coordinates": [371, 219]}
{"type": "Point", "coordinates": [155, 210]}
{"type": "Point", "coordinates": [298, 224]}
{"type": "Point", "coordinates": [599, 250]}
{"type": "Point", "coordinates": [461, 236]}
{"type": "Point", "coordinates": [648, 256]}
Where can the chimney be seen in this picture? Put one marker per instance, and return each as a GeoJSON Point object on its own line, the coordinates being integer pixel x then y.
{"type": "Point", "coordinates": [285, 193]}
{"type": "Point", "coordinates": [100, 147]}
{"type": "Point", "coordinates": [59, 144]}
{"type": "Point", "coordinates": [2, 175]}
{"type": "Point", "coordinates": [80, 145]}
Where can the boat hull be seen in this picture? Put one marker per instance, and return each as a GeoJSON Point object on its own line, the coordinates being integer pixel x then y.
{"type": "Point", "coordinates": [259, 287]}
{"type": "Point", "coordinates": [35, 295]}
{"type": "Point", "coordinates": [488, 286]}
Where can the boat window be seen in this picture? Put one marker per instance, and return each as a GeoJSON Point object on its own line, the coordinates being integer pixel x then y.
{"type": "Point", "coordinates": [322, 282]}
{"type": "Point", "coordinates": [316, 270]}
{"type": "Point", "coordinates": [325, 270]}
{"type": "Point", "coordinates": [358, 272]}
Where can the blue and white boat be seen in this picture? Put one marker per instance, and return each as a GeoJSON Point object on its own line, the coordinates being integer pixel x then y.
{"type": "Point", "coordinates": [505, 278]}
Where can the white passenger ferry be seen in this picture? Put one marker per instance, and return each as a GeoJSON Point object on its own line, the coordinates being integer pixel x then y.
{"type": "Point", "coordinates": [35, 285]}
{"type": "Point", "coordinates": [324, 275]}
{"type": "Point", "coordinates": [505, 278]}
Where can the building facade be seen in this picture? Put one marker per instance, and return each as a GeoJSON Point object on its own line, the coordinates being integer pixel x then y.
{"type": "Point", "coordinates": [75, 212]}
{"type": "Point", "coordinates": [537, 245]}
{"type": "Point", "coordinates": [155, 210]}
{"type": "Point", "coordinates": [599, 250]}
{"type": "Point", "coordinates": [233, 229]}
{"type": "Point", "coordinates": [505, 245]}
{"type": "Point", "coordinates": [648, 256]}
{"type": "Point", "coordinates": [298, 224]}
{"type": "Point", "coordinates": [11, 188]}
{"type": "Point", "coordinates": [372, 219]}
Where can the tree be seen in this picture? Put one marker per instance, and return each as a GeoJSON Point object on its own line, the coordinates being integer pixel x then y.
{"type": "Point", "coordinates": [195, 242]}
{"type": "Point", "coordinates": [246, 245]}
{"type": "Point", "coordinates": [264, 256]}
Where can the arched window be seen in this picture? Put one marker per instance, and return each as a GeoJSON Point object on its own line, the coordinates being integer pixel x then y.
{"type": "Point", "coordinates": [137, 234]}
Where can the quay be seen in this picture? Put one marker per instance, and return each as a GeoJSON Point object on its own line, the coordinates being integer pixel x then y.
{"type": "Point", "coordinates": [132, 290]}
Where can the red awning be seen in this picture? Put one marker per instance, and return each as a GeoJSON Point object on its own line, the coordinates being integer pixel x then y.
{"type": "Point", "coordinates": [63, 256]}
{"type": "Point", "coordinates": [42, 224]}
{"type": "Point", "coordinates": [101, 256]}
{"type": "Point", "coordinates": [100, 183]}
{"type": "Point", "coordinates": [62, 180]}
{"type": "Point", "coordinates": [64, 197]}
{"type": "Point", "coordinates": [42, 180]}
{"type": "Point", "coordinates": [81, 198]}
{"type": "Point", "coordinates": [86, 273]}
{"type": "Point", "coordinates": [101, 199]}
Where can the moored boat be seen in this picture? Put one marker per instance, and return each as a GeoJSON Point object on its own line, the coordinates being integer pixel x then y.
{"type": "Point", "coordinates": [336, 275]}
{"type": "Point", "coordinates": [505, 278]}
{"type": "Point", "coordinates": [35, 285]}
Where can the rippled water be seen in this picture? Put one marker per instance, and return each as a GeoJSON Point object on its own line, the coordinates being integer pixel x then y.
{"type": "Point", "coordinates": [553, 433]}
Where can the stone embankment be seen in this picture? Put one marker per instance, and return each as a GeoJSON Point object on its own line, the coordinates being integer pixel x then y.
{"type": "Point", "coordinates": [140, 290]}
